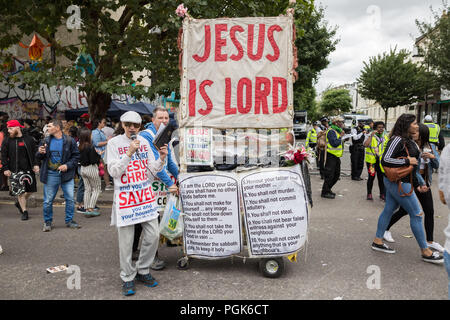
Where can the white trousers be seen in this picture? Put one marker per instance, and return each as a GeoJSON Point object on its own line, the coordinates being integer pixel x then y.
{"type": "Point", "coordinates": [149, 245]}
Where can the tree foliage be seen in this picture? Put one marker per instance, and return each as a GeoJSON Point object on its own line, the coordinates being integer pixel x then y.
{"type": "Point", "coordinates": [314, 48]}
{"type": "Point", "coordinates": [336, 101]}
{"type": "Point", "coordinates": [437, 49]}
{"type": "Point", "coordinates": [142, 37]}
{"type": "Point", "coordinates": [392, 80]}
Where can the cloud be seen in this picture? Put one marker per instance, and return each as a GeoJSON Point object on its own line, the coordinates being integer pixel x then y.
{"type": "Point", "coordinates": [368, 28]}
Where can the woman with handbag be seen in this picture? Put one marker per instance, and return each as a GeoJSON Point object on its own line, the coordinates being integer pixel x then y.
{"type": "Point", "coordinates": [89, 161]}
{"type": "Point", "coordinates": [20, 165]}
{"type": "Point", "coordinates": [400, 161]}
{"type": "Point", "coordinates": [428, 161]}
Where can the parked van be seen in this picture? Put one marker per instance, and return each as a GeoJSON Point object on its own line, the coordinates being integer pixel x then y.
{"type": "Point", "coordinates": [349, 118]}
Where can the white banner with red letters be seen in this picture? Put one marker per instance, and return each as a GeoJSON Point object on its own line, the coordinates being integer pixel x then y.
{"type": "Point", "coordinates": [237, 72]}
{"type": "Point", "coordinates": [135, 196]}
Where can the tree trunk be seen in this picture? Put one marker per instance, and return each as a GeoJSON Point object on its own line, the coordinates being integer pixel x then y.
{"type": "Point", "coordinates": [385, 117]}
{"type": "Point", "coordinates": [99, 103]}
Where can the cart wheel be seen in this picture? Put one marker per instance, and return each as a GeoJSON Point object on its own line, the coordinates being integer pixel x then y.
{"type": "Point", "coordinates": [183, 263]}
{"type": "Point", "coordinates": [271, 267]}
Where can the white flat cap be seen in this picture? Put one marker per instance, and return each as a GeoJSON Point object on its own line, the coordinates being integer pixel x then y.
{"type": "Point", "coordinates": [131, 116]}
{"type": "Point", "coordinates": [428, 118]}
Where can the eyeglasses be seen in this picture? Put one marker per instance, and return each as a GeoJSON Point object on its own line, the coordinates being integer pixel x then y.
{"type": "Point", "coordinates": [129, 124]}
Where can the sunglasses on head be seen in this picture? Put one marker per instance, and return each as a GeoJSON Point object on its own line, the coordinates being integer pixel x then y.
{"type": "Point", "coordinates": [129, 124]}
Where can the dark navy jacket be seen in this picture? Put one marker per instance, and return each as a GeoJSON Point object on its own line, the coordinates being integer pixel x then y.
{"type": "Point", "coordinates": [70, 157]}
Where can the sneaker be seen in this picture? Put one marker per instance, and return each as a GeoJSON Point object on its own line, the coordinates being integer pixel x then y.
{"type": "Point", "coordinates": [109, 188]}
{"type": "Point", "coordinates": [81, 210]}
{"type": "Point", "coordinates": [158, 264]}
{"type": "Point", "coordinates": [434, 258]}
{"type": "Point", "coordinates": [382, 247]}
{"type": "Point", "coordinates": [369, 196]}
{"type": "Point", "coordinates": [17, 204]}
{"type": "Point", "coordinates": [327, 195]}
{"type": "Point", "coordinates": [24, 216]}
{"type": "Point", "coordinates": [95, 213]}
{"type": "Point", "coordinates": [388, 236]}
{"type": "Point", "coordinates": [436, 246]}
{"type": "Point", "coordinates": [88, 214]}
{"type": "Point", "coordinates": [147, 279]}
{"type": "Point", "coordinates": [47, 226]}
{"type": "Point", "coordinates": [73, 225]}
{"type": "Point", "coordinates": [128, 288]}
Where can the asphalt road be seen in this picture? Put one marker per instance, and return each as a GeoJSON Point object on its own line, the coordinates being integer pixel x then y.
{"type": "Point", "coordinates": [338, 263]}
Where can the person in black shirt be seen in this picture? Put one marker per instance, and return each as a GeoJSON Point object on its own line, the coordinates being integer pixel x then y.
{"type": "Point", "coordinates": [402, 151]}
{"type": "Point", "coordinates": [32, 131]}
{"type": "Point", "coordinates": [357, 151]}
{"type": "Point", "coordinates": [18, 155]}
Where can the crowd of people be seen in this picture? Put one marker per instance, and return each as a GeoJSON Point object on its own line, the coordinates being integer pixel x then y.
{"type": "Point", "coordinates": [63, 151]}
{"type": "Point", "coordinates": [403, 162]}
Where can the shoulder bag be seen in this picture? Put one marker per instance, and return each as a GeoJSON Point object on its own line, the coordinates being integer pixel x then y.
{"type": "Point", "coordinates": [396, 174]}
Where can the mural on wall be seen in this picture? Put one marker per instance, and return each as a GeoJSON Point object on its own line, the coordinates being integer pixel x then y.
{"type": "Point", "coordinates": [19, 102]}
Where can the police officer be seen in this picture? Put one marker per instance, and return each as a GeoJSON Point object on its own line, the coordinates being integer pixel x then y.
{"type": "Point", "coordinates": [436, 136]}
{"type": "Point", "coordinates": [322, 127]}
{"type": "Point", "coordinates": [334, 153]}
{"type": "Point", "coordinates": [375, 145]}
{"type": "Point", "coordinates": [357, 151]}
{"type": "Point", "coordinates": [311, 139]}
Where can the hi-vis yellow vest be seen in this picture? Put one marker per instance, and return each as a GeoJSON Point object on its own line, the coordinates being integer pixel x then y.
{"type": "Point", "coordinates": [312, 137]}
{"type": "Point", "coordinates": [338, 151]}
{"type": "Point", "coordinates": [370, 151]}
{"type": "Point", "coordinates": [434, 131]}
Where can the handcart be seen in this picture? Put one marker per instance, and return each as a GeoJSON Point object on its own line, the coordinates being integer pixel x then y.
{"type": "Point", "coordinates": [235, 122]}
{"type": "Point", "coordinates": [270, 266]}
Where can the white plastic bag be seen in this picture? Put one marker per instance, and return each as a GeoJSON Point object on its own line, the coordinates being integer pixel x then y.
{"type": "Point", "coordinates": [171, 225]}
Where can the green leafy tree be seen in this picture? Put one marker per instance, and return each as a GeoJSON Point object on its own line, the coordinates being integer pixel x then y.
{"type": "Point", "coordinates": [392, 80]}
{"type": "Point", "coordinates": [314, 47]}
{"type": "Point", "coordinates": [336, 101]}
{"type": "Point", "coordinates": [437, 48]}
{"type": "Point", "coordinates": [142, 35]}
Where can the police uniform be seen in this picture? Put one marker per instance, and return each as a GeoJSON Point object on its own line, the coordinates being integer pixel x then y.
{"type": "Point", "coordinates": [332, 169]}
{"type": "Point", "coordinates": [357, 153]}
{"type": "Point", "coordinates": [434, 132]}
{"type": "Point", "coordinates": [373, 161]}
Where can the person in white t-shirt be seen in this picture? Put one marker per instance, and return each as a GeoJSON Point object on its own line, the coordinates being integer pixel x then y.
{"type": "Point", "coordinates": [133, 166]}
{"type": "Point", "coordinates": [444, 194]}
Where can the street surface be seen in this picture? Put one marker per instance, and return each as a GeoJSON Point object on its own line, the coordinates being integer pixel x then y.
{"type": "Point", "coordinates": [338, 263]}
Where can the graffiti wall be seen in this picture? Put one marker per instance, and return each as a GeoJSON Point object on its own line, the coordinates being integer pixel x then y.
{"type": "Point", "coordinates": [19, 102]}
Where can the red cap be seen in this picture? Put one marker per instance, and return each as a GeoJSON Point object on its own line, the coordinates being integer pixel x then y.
{"type": "Point", "coordinates": [14, 123]}
{"type": "Point", "coordinates": [85, 115]}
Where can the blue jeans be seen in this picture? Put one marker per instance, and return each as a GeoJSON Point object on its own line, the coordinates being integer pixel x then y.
{"type": "Point", "coordinates": [409, 203]}
{"type": "Point", "coordinates": [447, 266]}
{"type": "Point", "coordinates": [80, 190]}
{"type": "Point", "coordinates": [50, 190]}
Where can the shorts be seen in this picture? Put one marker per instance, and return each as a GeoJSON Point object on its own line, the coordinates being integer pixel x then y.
{"type": "Point", "coordinates": [29, 183]}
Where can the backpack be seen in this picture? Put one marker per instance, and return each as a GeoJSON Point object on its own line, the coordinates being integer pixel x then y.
{"type": "Point", "coordinates": [322, 140]}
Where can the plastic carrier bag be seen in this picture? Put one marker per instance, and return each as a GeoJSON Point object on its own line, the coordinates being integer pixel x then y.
{"type": "Point", "coordinates": [171, 225]}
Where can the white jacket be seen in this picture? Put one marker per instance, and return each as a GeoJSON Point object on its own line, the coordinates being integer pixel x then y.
{"type": "Point", "coordinates": [444, 186]}
{"type": "Point", "coordinates": [118, 162]}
